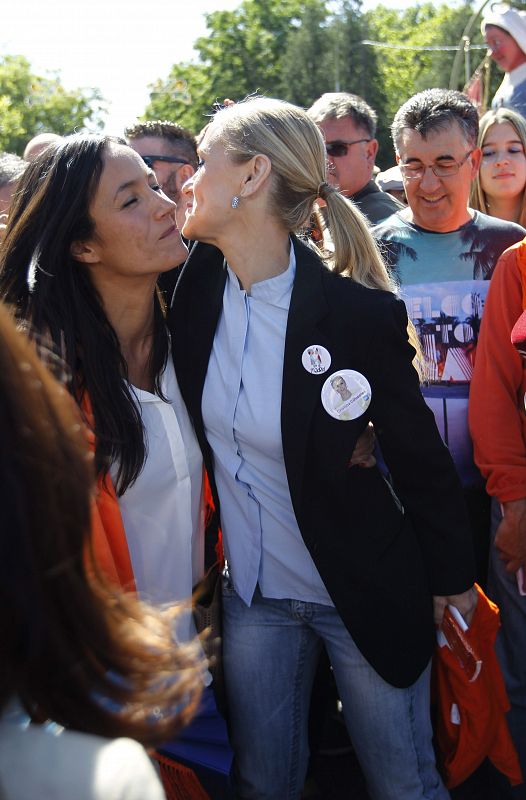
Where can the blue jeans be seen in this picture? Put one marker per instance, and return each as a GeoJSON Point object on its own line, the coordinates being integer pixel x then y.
{"type": "Point", "coordinates": [511, 644]}
{"type": "Point", "coordinates": [270, 653]}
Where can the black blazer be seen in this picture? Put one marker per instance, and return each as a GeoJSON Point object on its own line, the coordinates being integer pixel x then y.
{"type": "Point", "coordinates": [381, 555]}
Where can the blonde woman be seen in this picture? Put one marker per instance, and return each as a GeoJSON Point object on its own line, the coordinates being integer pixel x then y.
{"type": "Point", "coordinates": [500, 186]}
{"type": "Point", "coordinates": [318, 551]}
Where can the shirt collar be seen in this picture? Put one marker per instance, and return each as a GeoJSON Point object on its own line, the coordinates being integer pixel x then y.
{"type": "Point", "coordinates": [517, 75]}
{"type": "Point", "coordinates": [277, 290]}
{"type": "Point", "coordinates": [369, 188]}
{"type": "Point", "coordinates": [143, 396]}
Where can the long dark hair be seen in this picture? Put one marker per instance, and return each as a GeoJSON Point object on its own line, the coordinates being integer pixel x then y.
{"type": "Point", "coordinates": [73, 650]}
{"type": "Point", "coordinates": [41, 279]}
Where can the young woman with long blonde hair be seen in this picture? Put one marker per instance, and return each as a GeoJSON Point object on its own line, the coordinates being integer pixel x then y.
{"type": "Point", "coordinates": [499, 188]}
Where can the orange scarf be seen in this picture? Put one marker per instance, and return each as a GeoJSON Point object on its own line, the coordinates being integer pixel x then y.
{"type": "Point", "coordinates": [108, 537]}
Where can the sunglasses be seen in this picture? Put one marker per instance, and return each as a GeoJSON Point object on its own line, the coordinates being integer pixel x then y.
{"type": "Point", "coordinates": [150, 160]}
{"type": "Point", "coordinates": [339, 148]}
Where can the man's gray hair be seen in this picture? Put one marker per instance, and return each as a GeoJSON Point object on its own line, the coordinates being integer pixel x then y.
{"type": "Point", "coordinates": [434, 110]}
{"type": "Point", "coordinates": [339, 105]}
{"type": "Point", "coordinates": [11, 168]}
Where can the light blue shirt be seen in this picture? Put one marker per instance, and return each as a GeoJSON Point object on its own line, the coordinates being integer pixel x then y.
{"type": "Point", "coordinates": [242, 416]}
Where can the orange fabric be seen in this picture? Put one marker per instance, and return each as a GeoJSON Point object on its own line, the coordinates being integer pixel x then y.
{"type": "Point", "coordinates": [209, 512]}
{"type": "Point", "coordinates": [108, 537]}
{"type": "Point", "coordinates": [521, 263]}
{"type": "Point", "coordinates": [482, 730]}
{"type": "Point", "coordinates": [112, 556]}
{"type": "Point", "coordinates": [179, 782]}
{"type": "Point", "coordinates": [496, 400]}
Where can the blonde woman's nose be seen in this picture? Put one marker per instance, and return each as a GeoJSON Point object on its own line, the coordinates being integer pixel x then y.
{"type": "Point", "coordinates": [187, 189]}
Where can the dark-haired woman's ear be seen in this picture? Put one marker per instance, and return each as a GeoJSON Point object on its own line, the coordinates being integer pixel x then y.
{"type": "Point", "coordinates": [84, 252]}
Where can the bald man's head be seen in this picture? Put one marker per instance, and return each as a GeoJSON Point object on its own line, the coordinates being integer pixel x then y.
{"type": "Point", "coordinates": [39, 143]}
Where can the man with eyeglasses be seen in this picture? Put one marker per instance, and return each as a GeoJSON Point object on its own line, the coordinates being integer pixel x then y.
{"type": "Point", "coordinates": [443, 254]}
{"type": "Point", "coordinates": [348, 124]}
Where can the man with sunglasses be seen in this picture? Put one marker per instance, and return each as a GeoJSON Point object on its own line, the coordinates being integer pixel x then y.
{"type": "Point", "coordinates": [349, 126]}
{"type": "Point", "coordinates": [171, 151]}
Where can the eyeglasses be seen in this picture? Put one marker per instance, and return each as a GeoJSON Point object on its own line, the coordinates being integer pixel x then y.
{"type": "Point", "coordinates": [339, 148]}
{"type": "Point", "coordinates": [444, 169]}
{"type": "Point", "coordinates": [150, 160]}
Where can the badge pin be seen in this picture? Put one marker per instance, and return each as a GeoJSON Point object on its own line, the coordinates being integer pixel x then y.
{"type": "Point", "coordinates": [316, 359]}
{"type": "Point", "coordinates": [346, 394]}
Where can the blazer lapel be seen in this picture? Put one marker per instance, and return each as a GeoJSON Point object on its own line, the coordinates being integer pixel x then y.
{"type": "Point", "coordinates": [193, 320]}
{"type": "Point", "coordinates": [301, 390]}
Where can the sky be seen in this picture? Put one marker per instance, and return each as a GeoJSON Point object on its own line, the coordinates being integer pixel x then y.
{"type": "Point", "coordinates": [118, 46]}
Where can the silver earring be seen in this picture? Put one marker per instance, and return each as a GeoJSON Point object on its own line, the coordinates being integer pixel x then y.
{"type": "Point", "coordinates": [235, 201]}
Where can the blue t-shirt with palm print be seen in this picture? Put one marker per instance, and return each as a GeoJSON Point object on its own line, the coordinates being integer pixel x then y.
{"type": "Point", "coordinates": [443, 281]}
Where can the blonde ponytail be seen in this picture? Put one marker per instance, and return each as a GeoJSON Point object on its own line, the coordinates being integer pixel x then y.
{"type": "Point", "coordinates": [356, 254]}
{"type": "Point", "coordinates": [296, 149]}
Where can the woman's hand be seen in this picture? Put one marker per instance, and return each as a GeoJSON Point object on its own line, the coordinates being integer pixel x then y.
{"type": "Point", "coordinates": [362, 455]}
{"type": "Point", "coordinates": [465, 603]}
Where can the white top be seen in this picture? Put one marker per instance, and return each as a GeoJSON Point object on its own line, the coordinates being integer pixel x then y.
{"type": "Point", "coordinates": [51, 763]}
{"type": "Point", "coordinates": [162, 511]}
{"type": "Point", "coordinates": [510, 83]}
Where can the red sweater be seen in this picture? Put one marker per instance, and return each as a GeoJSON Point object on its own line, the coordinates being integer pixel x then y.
{"type": "Point", "coordinates": [497, 418]}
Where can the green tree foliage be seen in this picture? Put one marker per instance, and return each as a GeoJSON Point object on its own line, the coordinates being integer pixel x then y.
{"type": "Point", "coordinates": [31, 104]}
{"type": "Point", "coordinates": [406, 71]}
{"type": "Point", "coordinates": [308, 63]}
{"type": "Point", "coordinates": [298, 50]}
{"type": "Point", "coordinates": [184, 97]}
{"type": "Point", "coordinates": [243, 53]}
{"type": "Point", "coordinates": [357, 68]}
{"type": "Point", "coordinates": [247, 45]}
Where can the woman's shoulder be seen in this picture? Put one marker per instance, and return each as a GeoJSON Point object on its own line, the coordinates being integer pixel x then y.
{"type": "Point", "coordinates": [65, 764]}
{"type": "Point", "coordinates": [353, 308]}
{"type": "Point", "coordinates": [124, 763]}
{"type": "Point", "coordinates": [341, 285]}
{"type": "Point", "coordinates": [342, 291]}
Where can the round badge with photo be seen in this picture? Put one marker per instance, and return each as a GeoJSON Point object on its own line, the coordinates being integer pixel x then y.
{"type": "Point", "coordinates": [346, 394]}
{"type": "Point", "coordinates": [316, 359]}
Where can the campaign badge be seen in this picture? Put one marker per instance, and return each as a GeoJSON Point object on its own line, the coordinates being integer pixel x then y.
{"type": "Point", "coordinates": [316, 359]}
{"type": "Point", "coordinates": [346, 394]}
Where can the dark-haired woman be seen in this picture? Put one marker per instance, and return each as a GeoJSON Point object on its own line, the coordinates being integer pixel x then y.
{"type": "Point", "coordinates": [318, 551]}
{"type": "Point", "coordinates": [79, 661]}
{"type": "Point", "coordinates": [88, 235]}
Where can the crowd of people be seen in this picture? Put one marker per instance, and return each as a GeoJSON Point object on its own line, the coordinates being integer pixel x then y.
{"type": "Point", "coordinates": [187, 377]}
